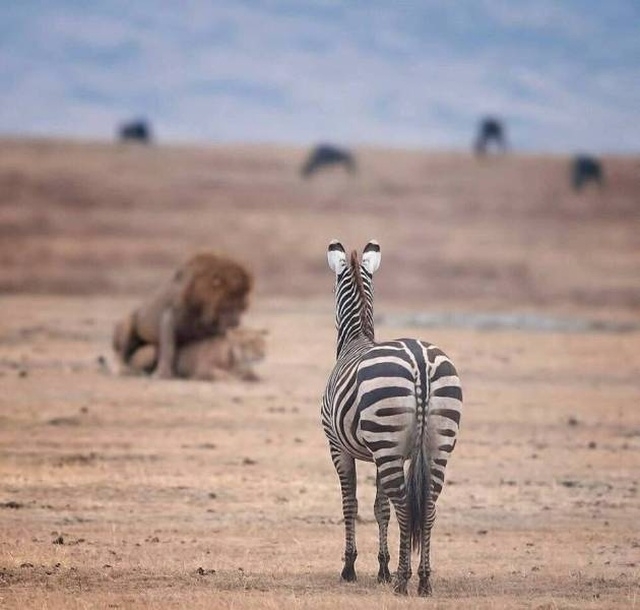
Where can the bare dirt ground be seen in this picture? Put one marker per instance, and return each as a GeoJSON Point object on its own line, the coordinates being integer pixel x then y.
{"type": "Point", "coordinates": [124, 492]}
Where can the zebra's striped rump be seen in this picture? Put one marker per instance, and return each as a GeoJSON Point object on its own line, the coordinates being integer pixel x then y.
{"type": "Point", "coordinates": [386, 405]}
{"type": "Point", "coordinates": [404, 388]}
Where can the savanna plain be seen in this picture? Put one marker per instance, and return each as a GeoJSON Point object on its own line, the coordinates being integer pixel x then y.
{"type": "Point", "coordinates": [133, 492]}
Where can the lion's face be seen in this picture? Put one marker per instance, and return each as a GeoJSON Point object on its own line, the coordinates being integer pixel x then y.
{"type": "Point", "coordinates": [216, 291]}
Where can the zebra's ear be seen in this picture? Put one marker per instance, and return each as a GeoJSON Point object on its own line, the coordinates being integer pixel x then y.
{"type": "Point", "coordinates": [371, 256]}
{"type": "Point", "coordinates": [336, 256]}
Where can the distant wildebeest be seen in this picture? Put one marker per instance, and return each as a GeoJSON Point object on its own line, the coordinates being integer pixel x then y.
{"type": "Point", "coordinates": [490, 130]}
{"type": "Point", "coordinates": [327, 154]}
{"type": "Point", "coordinates": [136, 131]}
{"type": "Point", "coordinates": [584, 169]}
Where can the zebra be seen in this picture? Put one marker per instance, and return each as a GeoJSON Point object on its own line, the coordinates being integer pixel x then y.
{"type": "Point", "coordinates": [387, 403]}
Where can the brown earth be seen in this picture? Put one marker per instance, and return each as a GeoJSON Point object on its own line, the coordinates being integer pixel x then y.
{"type": "Point", "coordinates": [122, 492]}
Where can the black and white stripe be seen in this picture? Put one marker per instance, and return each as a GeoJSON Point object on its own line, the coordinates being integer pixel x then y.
{"type": "Point", "coordinates": [388, 403]}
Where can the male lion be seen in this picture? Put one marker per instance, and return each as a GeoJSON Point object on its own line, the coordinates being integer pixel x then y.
{"type": "Point", "coordinates": [214, 358]}
{"type": "Point", "coordinates": [204, 298]}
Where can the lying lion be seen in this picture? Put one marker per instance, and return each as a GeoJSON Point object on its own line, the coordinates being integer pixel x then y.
{"type": "Point", "coordinates": [204, 298]}
{"type": "Point", "coordinates": [232, 356]}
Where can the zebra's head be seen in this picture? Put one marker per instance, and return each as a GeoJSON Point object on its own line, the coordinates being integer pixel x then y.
{"type": "Point", "coordinates": [337, 257]}
{"type": "Point", "coordinates": [354, 289]}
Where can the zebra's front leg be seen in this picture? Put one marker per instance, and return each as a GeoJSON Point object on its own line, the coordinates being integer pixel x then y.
{"type": "Point", "coordinates": [424, 569]}
{"type": "Point", "coordinates": [346, 469]}
{"type": "Point", "coordinates": [382, 512]}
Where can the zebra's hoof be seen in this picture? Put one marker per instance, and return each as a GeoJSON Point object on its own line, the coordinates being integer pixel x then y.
{"type": "Point", "coordinates": [384, 575]}
{"type": "Point", "coordinates": [349, 574]}
{"type": "Point", "coordinates": [424, 588]}
{"type": "Point", "coordinates": [400, 588]}
{"type": "Point", "coordinates": [383, 572]}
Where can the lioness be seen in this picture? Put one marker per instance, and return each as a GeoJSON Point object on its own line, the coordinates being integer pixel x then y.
{"type": "Point", "coordinates": [215, 358]}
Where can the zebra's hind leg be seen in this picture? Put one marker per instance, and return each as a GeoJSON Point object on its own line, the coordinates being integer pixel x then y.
{"type": "Point", "coordinates": [382, 511]}
{"type": "Point", "coordinates": [346, 469]}
{"type": "Point", "coordinates": [424, 569]}
{"type": "Point", "coordinates": [391, 473]}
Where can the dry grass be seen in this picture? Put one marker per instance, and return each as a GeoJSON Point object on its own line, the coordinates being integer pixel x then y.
{"type": "Point", "coordinates": [185, 494]}
{"type": "Point", "coordinates": [122, 492]}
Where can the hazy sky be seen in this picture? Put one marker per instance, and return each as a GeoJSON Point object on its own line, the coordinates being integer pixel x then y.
{"type": "Point", "coordinates": [564, 74]}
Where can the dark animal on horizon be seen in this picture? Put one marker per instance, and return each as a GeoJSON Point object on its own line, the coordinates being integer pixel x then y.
{"type": "Point", "coordinates": [325, 155]}
{"type": "Point", "coordinates": [135, 131]}
{"type": "Point", "coordinates": [585, 169]}
{"type": "Point", "coordinates": [490, 130]}
{"type": "Point", "coordinates": [387, 403]}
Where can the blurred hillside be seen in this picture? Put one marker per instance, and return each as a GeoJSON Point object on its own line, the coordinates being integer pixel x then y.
{"type": "Point", "coordinates": [495, 233]}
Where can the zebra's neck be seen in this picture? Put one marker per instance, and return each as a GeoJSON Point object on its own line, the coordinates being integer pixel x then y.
{"type": "Point", "coordinates": [354, 311]}
{"type": "Point", "coordinates": [355, 346]}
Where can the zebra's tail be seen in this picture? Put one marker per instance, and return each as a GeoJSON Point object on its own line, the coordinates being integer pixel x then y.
{"type": "Point", "coordinates": [419, 478]}
{"type": "Point", "coordinates": [418, 485]}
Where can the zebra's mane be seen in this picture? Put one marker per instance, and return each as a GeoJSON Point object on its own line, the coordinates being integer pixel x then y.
{"type": "Point", "coordinates": [366, 319]}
